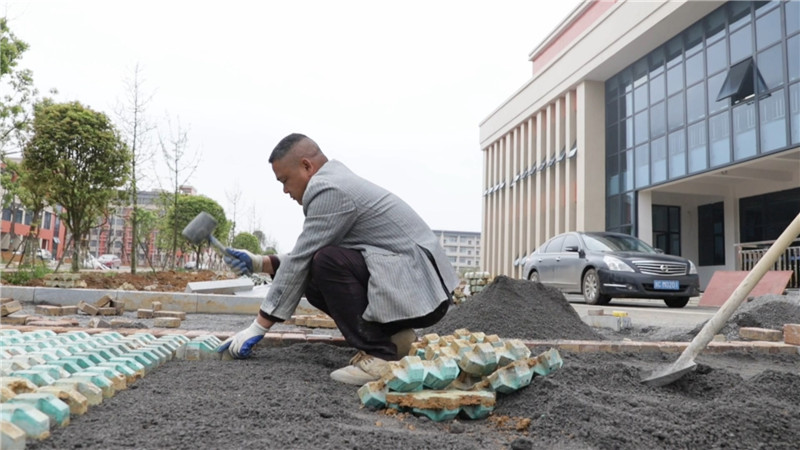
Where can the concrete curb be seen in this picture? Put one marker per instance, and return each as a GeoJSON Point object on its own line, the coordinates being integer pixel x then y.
{"type": "Point", "coordinates": [173, 301]}
{"type": "Point", "coordinates": [275, 339]}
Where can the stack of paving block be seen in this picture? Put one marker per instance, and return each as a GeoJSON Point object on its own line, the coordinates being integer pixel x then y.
{"type": "Point", "coordinates": [477, 281]}
{"type": "Point", "coordinates": [46, 378]}
{"type": "Point", "coordinates": [9, 310]}
{"type": "Point", "coordinates": [161, 318]}
{"type": "Point", "coordinates": [312, 321]}
{"type": "Point", "coordinates": [105, 306]}
{"type": "Point", "coordinates": [460, 374]}
{"type": "Point", "coordinates": [64, 280]}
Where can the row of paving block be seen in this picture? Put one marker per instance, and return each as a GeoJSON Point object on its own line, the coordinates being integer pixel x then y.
{"type": "Point", "coordinates": [46, 377]}
{"type": "Point", "coordinates": [447, 376]}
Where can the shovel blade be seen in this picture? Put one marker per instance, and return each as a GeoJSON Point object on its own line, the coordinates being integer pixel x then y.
{"type": "Point", "coordinates": [670, 374]}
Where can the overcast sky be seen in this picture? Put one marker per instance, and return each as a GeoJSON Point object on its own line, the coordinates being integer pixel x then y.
{"type": "Point", "coordinates": [395, 90]}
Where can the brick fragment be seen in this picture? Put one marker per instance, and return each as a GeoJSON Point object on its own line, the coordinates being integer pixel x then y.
{"type": "Point", "coordinates": [69, 310]}
{"type": "Point", "coordinates": [47, 310]}
{"type": "Point", "coordinates": [167, 322]}
{"type": "Point", "coordinates": [5, 300]}
{"type": "Point", "coordinates": [107, 311]}
{"type": "Point", "coordinates": [88, 308]}
{"type": "Point", "coordinates": [96, 322]}
{"type": "Point", "coordinates": [760, 334]}
{"type": "Point", "coordinates": [10, 307]}
{"type": "Point", "coordinates": [144, 313]}
{"type": "Point", "coordinates": [176, 314]}
{"type": "Point", "coordinates": [791, 333]}
{"type": "Point", "coordinates": [156, 306]}
{"type": "Point", "coordinates": [53, 323]}
{"type": "Point", "coordinates": [103, 301]}
{"type": "Point", "coordinates": [15, 319]}
{"type": "Point", "coordinates": [119, 305]}
{"type": "Point", "coordinates": [595, 312]}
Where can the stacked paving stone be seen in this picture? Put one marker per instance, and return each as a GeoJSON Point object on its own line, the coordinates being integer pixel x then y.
{"type": "Point", "coordinates": [460, 374]}
{"type": "Point", "coordinates": [312, 321]}
{"type": "Point", "coordinates": [104, 306]}
{"type": "Point", "coordinates": [161, 318]}
{"type": "Point", "coordinates": [46, 378]}
{"type": "Point", "coordinates": [477, 281]}
{"type": "Point", "coordinates": [64, 280]}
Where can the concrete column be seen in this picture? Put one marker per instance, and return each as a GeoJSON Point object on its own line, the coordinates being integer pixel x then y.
{"type": "Point", "coordinates": [530, 203]}
{"type": "Point", "coordinates": [591, 166]}
{"type": "Point", "coordinates": [549, 225]}
{"type": "Point", "coordinates": [540, 191]}
{"type": "Point", "coordinates": [484, 210]}
{"type": "Point", "coordinates": [558, 168]}
{"type": "Point", "coordinates": [569, 126]}
{"type": "Point", "coordinates": [644, 216]}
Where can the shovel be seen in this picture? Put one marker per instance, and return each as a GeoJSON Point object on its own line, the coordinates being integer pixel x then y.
{"type": "Point", "coordinates": [685, 363]}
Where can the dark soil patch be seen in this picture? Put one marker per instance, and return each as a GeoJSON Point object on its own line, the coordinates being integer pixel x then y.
{"type": "Point", "coordinates": [520, 309]}
{"type": "Point", "coordinates": [161, 281]}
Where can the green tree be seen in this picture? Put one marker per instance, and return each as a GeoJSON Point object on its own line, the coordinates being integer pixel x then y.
{"type": "Point", "coordinates": [77, 157]}
{"type": "Point", "coordinates": [147, 222]}
{"type": "Point", "coordinates": [186, 208]}
{"type": "Point", "coordinates": [248, 242]}
{"type": "Point", "coordinates": [17, 93]}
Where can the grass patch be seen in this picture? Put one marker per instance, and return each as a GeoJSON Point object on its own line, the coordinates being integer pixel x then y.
{"type": "Point", "coordinates": [24, 274]}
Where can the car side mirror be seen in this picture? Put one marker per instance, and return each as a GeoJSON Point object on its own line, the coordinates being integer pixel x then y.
{"type": "Point", "coordinates": [658, 250]}
{"type": "Point", "coordinates": [571, 248]}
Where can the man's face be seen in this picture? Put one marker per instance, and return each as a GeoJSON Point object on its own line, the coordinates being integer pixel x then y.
{"type": "Point", "coordinates": [293, 173]}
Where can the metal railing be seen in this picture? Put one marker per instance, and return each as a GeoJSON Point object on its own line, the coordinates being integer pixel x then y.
{"type": "Point", "coordinates": [748, 254]}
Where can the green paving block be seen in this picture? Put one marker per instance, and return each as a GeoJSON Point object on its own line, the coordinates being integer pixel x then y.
{"type": "Point", "coordinates": [45, 355]}
{"type": "Point", "coordinates": [98, 380]}
{"type": "Point", "coordinates": [440, 372]}
{"type": "Point", "coordinates": [78, 347]}
{"type": "Point", "coordinates": [437, 415]}
{"type": "Point", "coordinates": [18, 385]}
{"type": "Point", "coordinates": [405, 375]}
{"type": "Point", "coordinates": [12, 437]}
{"type": "Point", "coordinates": [37, 377]}
{"type": "Point", "coordinates": [71, 336]}
{"type": "Point", "coordinates": [123, 369]}
{"type": "Point", "coordinates": [512, 350]}
{"type": "Point", "coordinates": [56, 372]}
{"type": "Point", "coordinates": [163, 353]}
{"type": "Point", "coordinates": [78, 405]}
{"type": "Point", "coordinates": [511, 377]}
{"type": "Point", "coordinates": [33, 422]}
{"type": "Point", "coordinates": [14, 350]}
{"type": "Point", "coordinates": [481, 361]}
{"type": "Point", "coordinates": [476, 412]}
{"type": "Point", "coordinates": [110, 336]}
{"type": "Point", "coordinates": [10, 365]}
{"type": "Point", "coordinates": [56, 410]}
{"type": "Point", "coordinates": [10, 332]}
{"type": "Point", "coordinates": [118, 381]}
{"type": "Point", "coordinates": [92, 356]}
{"type": "Point", "coordinates": [547, 362]}
{"type": "Point", "coordinates": [144, 358]}
{"type": "Point", "coordinates": [79, 360]}
{"type": "Point", "coordinates": [131, 363]}
{"type": "Point", "coordinates": [69, 366]}
{"type": "Point", "coordinates": [197, 351]}
{"type": "Point", "coordinates": [93, 394]}
{"type": "Point", "coordinates": [373, 394]}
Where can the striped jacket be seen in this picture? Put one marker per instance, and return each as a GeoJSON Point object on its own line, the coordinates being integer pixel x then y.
{"type": "Point", "coordinates": [410, 275]}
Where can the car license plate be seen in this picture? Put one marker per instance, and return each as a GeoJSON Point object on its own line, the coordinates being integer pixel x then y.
{"type": "Point", "coordinates": [667, 285]}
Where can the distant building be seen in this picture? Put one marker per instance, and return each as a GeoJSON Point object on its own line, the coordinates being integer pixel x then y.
{"type": "Point", "coordinates": [462, 247]}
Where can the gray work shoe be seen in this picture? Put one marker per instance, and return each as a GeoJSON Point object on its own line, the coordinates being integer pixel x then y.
{"type": "Point", "coordinates": [363, 368]}
{"type": "Point", "coordinates": [403, 340]}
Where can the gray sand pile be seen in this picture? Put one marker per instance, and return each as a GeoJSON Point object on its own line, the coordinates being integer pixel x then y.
{"type": "Point", "coordinates": [512, 308]}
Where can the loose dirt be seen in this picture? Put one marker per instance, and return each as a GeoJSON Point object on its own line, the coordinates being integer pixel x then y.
{"type": "Point", "coordinates": [283, 398]}
{"type": "Point", "coordinates": [160, 281]}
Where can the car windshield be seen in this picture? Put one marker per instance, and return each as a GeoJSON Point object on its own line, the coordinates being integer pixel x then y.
{"type": "Point", "coordinates": [615, 243]}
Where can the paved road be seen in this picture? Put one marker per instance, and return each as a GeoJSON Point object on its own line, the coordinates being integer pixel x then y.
{"type": "Point", "coordinates": [651, 312]}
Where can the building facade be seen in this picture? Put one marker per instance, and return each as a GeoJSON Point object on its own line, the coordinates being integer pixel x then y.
{"type": "Point", "coordinates": [677, 122]}
{"type": "Point", "coordinates": [463, 248]}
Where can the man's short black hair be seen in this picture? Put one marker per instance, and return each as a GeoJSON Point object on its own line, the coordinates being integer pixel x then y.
{"type": "Point", "coordinates": [285, 145]}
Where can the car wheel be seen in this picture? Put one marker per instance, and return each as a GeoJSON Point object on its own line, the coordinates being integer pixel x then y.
{"type": "Point", "coordinates": [591, 289]}
{"type": "Point", "coordinates": [678, 302]}
{"type": "Point", "coordinates": [534, 276]}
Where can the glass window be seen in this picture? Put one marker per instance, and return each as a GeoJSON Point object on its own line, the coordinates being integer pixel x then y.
{"type": "Point", "coordinates": [793, 52]}
{"type": "Point", "coordinates": [625, 81]}
{"type": "Point", "coordinates": [642, 124]}
{"type": "Point", "coordinates": [697, 147]}
{"type": "Point", "coordinates": [772, 118]}
{"type": "Point", "coordinates": [677, 154]}
{"type": "Point", "coordinates": [719, 138]}
{"type": "Point", "coordinates": [611, 111]}
{"type": "Point", "coordinates": [714, 24]}
{"type": "Point", "coordinates": [640, 73]}
{"type": "Point", "coordinates": [656, 59]}
{"type": "Point", "coordinates": [626, 133]}
{"type": "Point", "coordinates": [693, 38]}
{"type": "Point", "coordinates": [658, 155]}
{"type": "Point", "coordinates": [711, 233]}
{"type": "Point", "coordinates": [694, 69]}
{"type": "Point", "coordinates": [768, 29]}
{"type": "Point", "coordinates": [642, 160]}
{"type": "Point", "coordinates": [675, 111]}
{"type": "Point", "coordinates": [612, 140]}
{"type": "Point", "coordinates": [741, 44]}
{"type": "Point", "coordinates": [626, 105]}
{"type": "Point", "coordinates": [675, 79]}
{"type": "Point", "coordinates": [770, 66]}
{"type": "Point", "coordinates": [674, 49]}
{"type": "Point", "coordinates": [794, 108]}
{"type": "Point", "coordinates": [744, 131]}
{"type": "Point", "coordinates": [792, 17]}
{"type": "Point", "coordinates": [717, 57]}
{"type": "Point", "coordinates": [6, 214]}
{"type": "Point", "coordinates": [626, 171]}
{"type": "Point", "coordinates": [739, 14]}
{"type": "Point", "coordinates": [640, 97]}
{"type": "Point", "coordinates": [714, 86]}
{"type": "Point", "coordinates": [612, 175]}
{"type": "Point", "coordinates": [47, 218]}
{"type": "Point", "coordinates": [658, 122]}
{"type": "Point", "coordinates": [612, 213]}
{"type": "Point", "coordinates": [657, 89]}
{"type": "Point", "coordinates": [696, 106]}
{"type": "Point", "coordinates": [627, 210]}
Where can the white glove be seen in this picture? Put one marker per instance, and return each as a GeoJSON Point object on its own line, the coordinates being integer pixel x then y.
{"type": "Point", "coordinates": [243, 262]}
{"type": "Point", "coordinates": [241, 344]}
